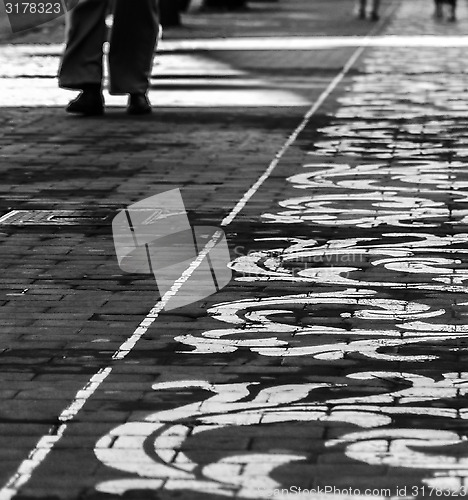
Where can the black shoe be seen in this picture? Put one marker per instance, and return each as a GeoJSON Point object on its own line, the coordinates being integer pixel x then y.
{"type": "Point", "coordinates": [88, 103]}
{"type": "Point", "coordinates": [374, 16]}
{"type": "Point", "coordinates": [138, 104]}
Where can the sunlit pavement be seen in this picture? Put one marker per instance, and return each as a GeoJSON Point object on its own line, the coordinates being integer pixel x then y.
{"type": "Point", "coordinates": [191, 59]}
{"type": "Point", "coordinates": [334, 362]}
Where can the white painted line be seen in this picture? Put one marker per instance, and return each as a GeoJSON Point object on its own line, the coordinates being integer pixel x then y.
{"type": "Point", "coordinates": [151, 317]}
{"type": "Point", "coordinates": [47, 442]}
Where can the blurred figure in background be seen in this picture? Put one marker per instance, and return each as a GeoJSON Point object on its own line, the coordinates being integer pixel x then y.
{"type": "Point", "coordinates": [133, 39]}
{"type": "Point", "coordinates": [439, 9]}
{"type": "Point", "coordinates": [373, 6]}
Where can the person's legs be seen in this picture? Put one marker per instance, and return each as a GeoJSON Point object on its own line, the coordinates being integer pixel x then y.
{"type": "Point", "coordinates": [361, 8]}
{"type": "Point", "coordinates": [438, 9]}
{"type": "Point", "coordinates": [375, 10]}
{"type": "Point", "coordinates": [453, 11]}
{"type": "Point", "coordinates": [133, 41]}
{"type": "Point", "coordinates": [81, 65]}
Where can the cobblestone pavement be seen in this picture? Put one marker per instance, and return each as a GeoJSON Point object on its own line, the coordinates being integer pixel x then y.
{"type": "Point", "coordinates": [334, 362]}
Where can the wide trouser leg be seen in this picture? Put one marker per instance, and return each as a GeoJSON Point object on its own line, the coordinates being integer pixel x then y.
{"type": "Point", "coordinates": [453, 9]}
{"type": "Point", "coordinates": [361, 7]}
{"type": "Point", "coordinates": [82, 61]}
{"type": "Point", "coordinates": [133, 41]}
{"type": "Point", "coordinates": [375, 7]}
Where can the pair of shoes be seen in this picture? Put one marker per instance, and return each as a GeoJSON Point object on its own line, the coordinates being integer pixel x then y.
{"type": "Point", "coordinates": [88, 103]}
{"type": "Point", "coordinates": [138, 104]}
{"type": "Point", "coordinates": [91, 103]}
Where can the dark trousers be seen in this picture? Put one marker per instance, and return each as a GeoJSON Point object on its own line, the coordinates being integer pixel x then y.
{"type": "Point", "coordinates": [439, 4]}
{"type": "Point", "coordinates": [133, 40]}
{"type": "Point", "coordinates": [374, 5]}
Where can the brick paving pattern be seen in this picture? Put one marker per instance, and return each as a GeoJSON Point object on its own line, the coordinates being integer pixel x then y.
{"type": "Point", "coordinates": [334, 363]}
